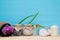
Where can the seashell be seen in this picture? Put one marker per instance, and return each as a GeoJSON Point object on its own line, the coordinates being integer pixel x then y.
{"type": "Point", "coordinates": [15, 33]}
{"type": "Point", "coordinates": [18, 33]}
{"type": "Point", "coordinates": [17, 27]}
{"type": "Point", "coordinates": [27, 32]}
{"type": "Point", "coordinates": [28, 26]}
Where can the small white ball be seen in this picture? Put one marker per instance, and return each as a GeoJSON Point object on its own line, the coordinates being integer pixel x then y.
{"type": "Point", "coordinates": [44, 32]}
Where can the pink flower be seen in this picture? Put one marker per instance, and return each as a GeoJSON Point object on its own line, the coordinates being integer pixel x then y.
{"type": "Point", "coordinates": [7, 30]}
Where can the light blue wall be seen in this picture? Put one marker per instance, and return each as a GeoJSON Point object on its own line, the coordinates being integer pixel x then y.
{"type": "Point", "coordinates": [14, 10]}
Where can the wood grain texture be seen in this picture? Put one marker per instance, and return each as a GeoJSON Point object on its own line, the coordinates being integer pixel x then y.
{"type": "Point", "coordinates": [29, 38]}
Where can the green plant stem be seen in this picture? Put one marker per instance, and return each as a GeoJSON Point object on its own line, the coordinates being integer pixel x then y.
{"type": "Point", "coordinates": [38, 25]}
{"type": "Point", "coordinates": [33, 18]}
{"type": "Point", "coordinates": [25, 19]}
{"type": "Point", "coordinates": [42, 26]}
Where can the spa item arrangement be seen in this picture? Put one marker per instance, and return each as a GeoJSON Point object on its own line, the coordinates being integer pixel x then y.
{"type": "Point", "coordinates": [27, 29]}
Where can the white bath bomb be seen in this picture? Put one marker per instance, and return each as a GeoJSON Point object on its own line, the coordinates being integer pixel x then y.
{"type": "Point", "coordinates": [44, 32]}
{"type": "Point", "coordinates": [27, 32]}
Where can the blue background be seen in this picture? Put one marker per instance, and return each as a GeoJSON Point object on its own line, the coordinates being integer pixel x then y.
{"type": "Point", "coordinates": [13, 11]}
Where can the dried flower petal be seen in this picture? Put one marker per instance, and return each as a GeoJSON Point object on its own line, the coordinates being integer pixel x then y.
{"type": "Point", "coordinates": [7, 30]}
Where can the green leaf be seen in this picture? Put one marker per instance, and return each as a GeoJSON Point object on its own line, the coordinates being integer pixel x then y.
{"type": "Point", "coordinates": [25, 19]}
{"type": "Point", "coordinates": [38, 25]}
{"type": "Point", "coordinates": [42, 26]}
{"type": "Point", "coordinates": [33, 18]}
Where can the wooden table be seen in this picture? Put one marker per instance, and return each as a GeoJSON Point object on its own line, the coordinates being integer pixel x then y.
{"type": "Point", "coordinates": [29, 38]}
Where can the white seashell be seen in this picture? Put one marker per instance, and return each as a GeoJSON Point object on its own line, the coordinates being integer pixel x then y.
{"type": "Point", "coordinates": [27, 32]}
{"type": "Point", "coordinates": [44, 32]}
{"type": "Point", "coordinates": [17, 27]}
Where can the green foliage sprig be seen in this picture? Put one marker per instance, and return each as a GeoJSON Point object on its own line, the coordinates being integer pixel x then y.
{"type": "Point", "coordinates": [25, 19]}
{"type": "Point", "coordinates": [29, 17]}
{"type": "Point", "coordinates": [33, 18]}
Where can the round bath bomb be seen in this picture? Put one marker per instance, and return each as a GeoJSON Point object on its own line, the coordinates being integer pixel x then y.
{"type": "Point", "coordinates": [27, 32]}
{"type": "Point", "coordinates": [44, 32]}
